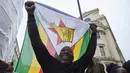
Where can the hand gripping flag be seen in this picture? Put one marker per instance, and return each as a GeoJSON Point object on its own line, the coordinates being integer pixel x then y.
{"type": "Point", "coordinates": [57, 29]}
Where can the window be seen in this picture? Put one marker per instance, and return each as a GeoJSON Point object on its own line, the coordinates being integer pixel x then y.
{"type": "Point", "coordinates": [98, 35]}
{"type": "Point", "coordinates": [102, 51]}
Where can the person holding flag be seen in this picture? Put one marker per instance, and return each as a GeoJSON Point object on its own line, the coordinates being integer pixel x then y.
{"type": "Point", "coordinates": [64, 63]}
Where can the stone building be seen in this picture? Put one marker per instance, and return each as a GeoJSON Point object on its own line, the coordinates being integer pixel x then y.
{"type": "Point", "coordinates": [107, 50]}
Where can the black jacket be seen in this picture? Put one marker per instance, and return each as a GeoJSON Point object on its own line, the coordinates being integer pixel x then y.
{"type": "Point", "coordinates": [50, 64]}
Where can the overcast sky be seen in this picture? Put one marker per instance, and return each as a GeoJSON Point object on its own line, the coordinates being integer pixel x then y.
{"type": "Point", "coordinates": [117, 13]}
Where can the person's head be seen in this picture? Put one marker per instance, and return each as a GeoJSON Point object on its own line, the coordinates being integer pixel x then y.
{"type": "Point", "coordinates": [114, 68]}
{"type": "Point", "coordinates": [66, 55]}
{"type": "Point", "coordinates": [126, 65]}
{"type": "Point", "coordinates": [121, 70]}
{"type": "Point", "coordinates": [95, 66]}
{"type": "Point", "coordinates": [111, 67]}
{"type": "Point", "coordinates": [5, 67]}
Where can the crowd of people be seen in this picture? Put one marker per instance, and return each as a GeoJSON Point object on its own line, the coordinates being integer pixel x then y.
{"type": "Point", "coordinates": [64, 62]}
{"type": "Point", "coordinates": [94, 67]}
{"type": "Point", "coordinates": [97, 67]}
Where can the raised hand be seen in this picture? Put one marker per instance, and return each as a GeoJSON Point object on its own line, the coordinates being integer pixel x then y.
{"type": "Point", "coordinates": [93, 27]}
{"type": "Point", "coordinates": [30, 7]}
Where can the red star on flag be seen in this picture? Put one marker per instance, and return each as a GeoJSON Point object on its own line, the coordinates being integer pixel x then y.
{"type": "Point", "coordinates": [62, 25]}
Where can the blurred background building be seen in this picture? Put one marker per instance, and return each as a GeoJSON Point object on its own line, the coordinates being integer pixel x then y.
{"type": "Point", "coordinates": [10, 18]}
{"type": "Point", "coordinates": [107, 50]}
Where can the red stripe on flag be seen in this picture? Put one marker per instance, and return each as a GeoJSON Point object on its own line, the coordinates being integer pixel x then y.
{"type": "Point", "coordinates": [50, 48]}
{"type": "Point", "coordinates": [41, 71]}
{"type": "Point", "coordinates": [73, 46]}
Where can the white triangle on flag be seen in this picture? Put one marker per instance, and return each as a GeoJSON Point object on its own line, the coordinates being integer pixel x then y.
{"type": "Point", "coordinates": [49, 16]}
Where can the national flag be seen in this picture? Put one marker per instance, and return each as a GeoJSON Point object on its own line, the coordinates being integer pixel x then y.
{"type": "Point", "coordinates": [57, 29]}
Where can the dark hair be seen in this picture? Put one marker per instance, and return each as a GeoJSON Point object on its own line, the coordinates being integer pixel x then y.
{"type": "Point", "coordinates": [126, 65]}
{"type": "Point", "coordinates": [111, 68]}
{"type": "Point", "coordinates": [5, 67]}
{"type": "Point", "coordinates": [66, 47]}
{"type": "Point", "coordinates": [95, 66]}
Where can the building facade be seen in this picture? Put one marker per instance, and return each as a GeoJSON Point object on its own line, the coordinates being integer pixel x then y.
{"type": "Point", "coordinates": [10, 19]}
{"type": "Point", "coordinates": [107, 50]}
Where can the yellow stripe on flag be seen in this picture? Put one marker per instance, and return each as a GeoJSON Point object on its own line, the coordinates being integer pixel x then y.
{"type": "Point", "coordinates": [42, 34]}
{"type": "Point", "coordinates": [77, 49]}
{"type": "Point", "coordinates": [35, 67]}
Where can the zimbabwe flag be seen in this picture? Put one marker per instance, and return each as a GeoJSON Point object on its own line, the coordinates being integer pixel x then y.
{"type": "Point", "coordinates": [57, 29]}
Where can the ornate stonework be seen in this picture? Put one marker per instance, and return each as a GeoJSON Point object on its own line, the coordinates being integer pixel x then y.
{"type": "Point", "coordinates": [107, 48]}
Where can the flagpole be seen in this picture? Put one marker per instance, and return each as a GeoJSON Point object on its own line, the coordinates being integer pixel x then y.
{"type": "Point", "coordinates": [81, 17]}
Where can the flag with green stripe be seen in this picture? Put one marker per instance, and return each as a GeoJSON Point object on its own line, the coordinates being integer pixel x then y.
{"type": "Point", "coordinates": [57, 29]}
